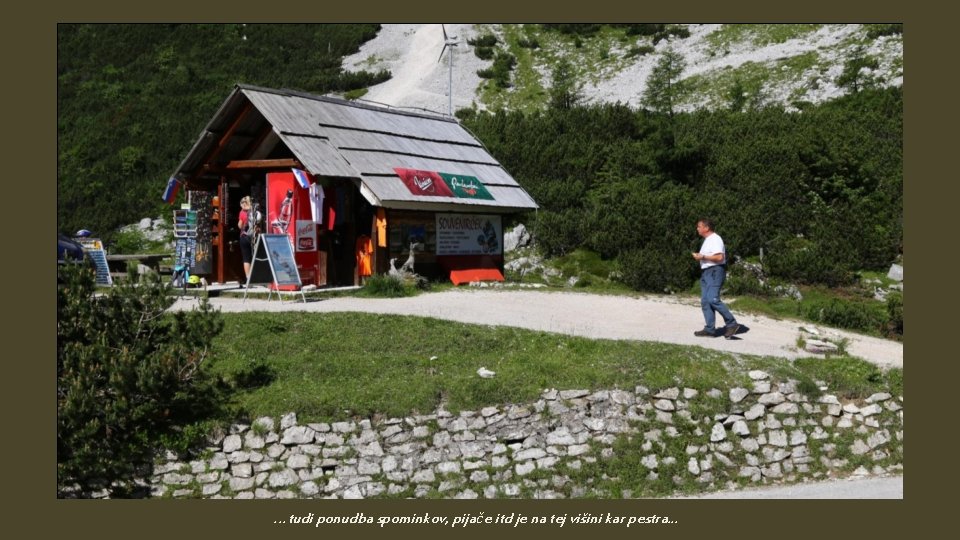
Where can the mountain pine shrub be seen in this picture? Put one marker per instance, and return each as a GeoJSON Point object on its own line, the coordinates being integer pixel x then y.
{"type": "Point", "coordinates": [128, 374]}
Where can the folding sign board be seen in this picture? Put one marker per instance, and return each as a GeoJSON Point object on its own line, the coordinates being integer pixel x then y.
{"type": "Point", "coordinates": [273, 263]}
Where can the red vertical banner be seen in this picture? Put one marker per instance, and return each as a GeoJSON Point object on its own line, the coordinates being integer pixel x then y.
{"type": "Point", "coordinates": [288, 203]}
{"type": "Point", "coordinates": [329, 207]}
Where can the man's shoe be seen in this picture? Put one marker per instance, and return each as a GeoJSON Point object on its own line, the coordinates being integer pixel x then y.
{"type": "Point", "coordinates": [731, 330]}
{"type": "Point", "coordinates": [704, 333]}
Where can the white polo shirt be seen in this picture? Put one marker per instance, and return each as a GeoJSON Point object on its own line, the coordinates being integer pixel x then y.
{"type": "Point", "coordinates": [712, 245]}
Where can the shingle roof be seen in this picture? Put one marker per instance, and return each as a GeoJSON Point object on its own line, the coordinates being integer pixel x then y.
{"type": "Point", "coordinates": [334, 137]}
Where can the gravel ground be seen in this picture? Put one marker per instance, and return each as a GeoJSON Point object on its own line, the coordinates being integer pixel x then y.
{"type": "Point", "coordinates": [664, 319]}
{"type": "Point", "coordinates": [851, 488]}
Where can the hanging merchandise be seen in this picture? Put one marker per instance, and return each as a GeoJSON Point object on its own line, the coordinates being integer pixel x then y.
{"type": "Point", "coordinates": [381, 227]}
{"type": "Point", "coordinates": [364, 252]}
{"type": "Point", "coordinates": [316, 203]}
{"type": "Point", "coordinates": [184, 253]}
{"type": "Point", "coordinates": [202, 201]}
{"type": "Point", "coordinates": [184, 224]}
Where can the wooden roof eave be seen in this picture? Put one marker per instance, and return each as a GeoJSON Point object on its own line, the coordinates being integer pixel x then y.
{"type": "Point", "coordinates": [213, 152]}
{"type": "Point", "coordinates": [284, 163]}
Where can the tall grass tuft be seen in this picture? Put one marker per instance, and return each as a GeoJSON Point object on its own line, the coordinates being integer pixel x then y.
{"type": "Point", "coordinates": [386, 287]}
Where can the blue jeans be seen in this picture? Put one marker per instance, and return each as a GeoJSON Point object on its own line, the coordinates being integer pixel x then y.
{"type": "Point", "coordinates": [710, 282]}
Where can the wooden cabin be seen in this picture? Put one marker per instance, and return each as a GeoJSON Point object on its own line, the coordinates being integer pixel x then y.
{"type": "Point", "coordinates": [391, 180]}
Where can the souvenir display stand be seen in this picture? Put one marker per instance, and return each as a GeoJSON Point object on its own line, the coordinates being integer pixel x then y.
{"type": "Point", "coordinates": [185, 244]}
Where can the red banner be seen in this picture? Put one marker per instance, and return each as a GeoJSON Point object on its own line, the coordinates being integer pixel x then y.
{"type": "Point", "coordinates": [424, 183]}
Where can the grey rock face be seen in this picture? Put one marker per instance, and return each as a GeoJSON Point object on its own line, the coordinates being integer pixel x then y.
{"type": "Point", "coordinates": [517, 238]}
{"type": "Point", "coordinates": [896, 272]}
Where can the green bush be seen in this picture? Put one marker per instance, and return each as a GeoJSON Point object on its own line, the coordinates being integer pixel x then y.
{"type": "Point", "coordinates": [618, 179]}
{"type": "Point", "coordinates": [484, 53]}
{"type": "Point", "coordinates": [802, 260]}
{"type": "Point", "coordinates": [129, 241]}
{"type": "Point", "coordinates": [895, 315]}
{"type": "Point", "coordinates": [486, 40]}
{"type": "Point", "coordinates": [863, 315]}
{"type": "Point", "coordinates": [531, 43]}
{"type": "Point", "coordinates": [741, 281]}
{"type": "Point", "coordinates": [559, 232]}
{"type": "Point", "coordinates": [659, 32]}
{"type": "Point", "coordinates": [640, 50]}
{"type": "Point", "coordinates": [503, 64]}
{"type": "Point", "coordinates": [133, 271]}
{"type": "Point", "coordinates": [645, 29]}
{"type": "Point", "coordinates": [356, 94]}
{"type": "Point", "coordinates": [575, 29]}
{"type": "Point", "coordinates": [483, 46]}
{"type": "Point", "coordinates": [128, 374]}
{"type": "Point", "coordinates": [678, 31]}
{"type": "Point", "coordinates": [877, 30]}
{"type": "Point", "coordinates": [651, 269]}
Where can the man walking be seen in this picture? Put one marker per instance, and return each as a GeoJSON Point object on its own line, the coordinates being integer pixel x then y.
{"type": "Point", "coordinates": [713, 271]}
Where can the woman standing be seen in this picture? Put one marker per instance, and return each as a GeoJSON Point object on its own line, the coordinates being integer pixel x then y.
{"type": "Point", "coordinates": [248, 227]}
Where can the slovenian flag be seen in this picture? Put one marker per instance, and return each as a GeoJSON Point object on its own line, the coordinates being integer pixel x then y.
{"type": "Point", "coordinates": [302, 178]}
{"type": "Point", "coordinates": [170, 193]}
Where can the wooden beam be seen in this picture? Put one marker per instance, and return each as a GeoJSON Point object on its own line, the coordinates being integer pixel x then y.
{"type": "Point", "coordinates": [257, 141]}
{"type": "Point", "coordinates": [247, 107]}
{"type": "Point", "coordinates": [199, 182]}
{"type": "Point", "coordinates": [264, 164]}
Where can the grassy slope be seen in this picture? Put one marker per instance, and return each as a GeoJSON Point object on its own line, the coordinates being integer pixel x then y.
{"type": "Point", "coordinates": [327, 366]}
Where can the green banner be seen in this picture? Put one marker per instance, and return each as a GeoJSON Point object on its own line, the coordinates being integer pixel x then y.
{"type": "Point", "coordinates": [466, 187]}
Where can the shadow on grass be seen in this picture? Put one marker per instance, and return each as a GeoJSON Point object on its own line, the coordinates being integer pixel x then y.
{"type": "Point", "coordinates": [256, 376]}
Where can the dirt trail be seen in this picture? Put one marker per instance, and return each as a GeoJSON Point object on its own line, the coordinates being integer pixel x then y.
{"type": "Point", "coordinates": [663, 319]}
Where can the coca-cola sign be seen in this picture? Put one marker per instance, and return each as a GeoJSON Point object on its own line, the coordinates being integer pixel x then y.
{"type": "Point", "coordinates": [306, 235]}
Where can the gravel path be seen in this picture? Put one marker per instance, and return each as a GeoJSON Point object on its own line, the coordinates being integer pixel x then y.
{"type": "Point", "coordinates": [888, 487]}
{"type": "Point", "coordinates": [664, 319]}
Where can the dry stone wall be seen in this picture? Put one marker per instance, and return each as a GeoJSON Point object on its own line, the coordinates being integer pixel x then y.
{"type": "Point", "coordinates": [767, 433]}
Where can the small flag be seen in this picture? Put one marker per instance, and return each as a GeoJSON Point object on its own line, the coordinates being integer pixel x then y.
{"type": "Point", "coordinates": [302, 178]}
{"type": "Point", "coordinates": [170, 193]}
